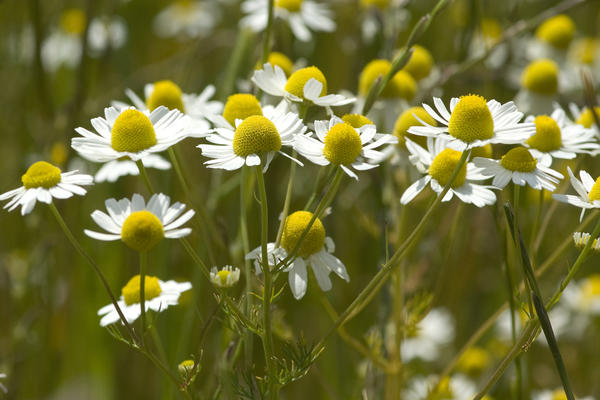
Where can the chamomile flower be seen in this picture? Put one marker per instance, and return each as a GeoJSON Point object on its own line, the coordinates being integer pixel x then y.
{"type": "Point", "coordinates": [225, 277]}
{"type": "Point", "coordinates": [42, 182]}
{"type": "Point", "coordinates": [439, 162]}
{"type": "Point", "coordinates": [106, 33]}
{"type": "Point", "coordinates": [584, 296]}
{"type": "Point", "coordinates": [457, 387]}
{"type": "Point", "coordinates": [306, 84]}
{"type": "Point", "coordinates": [339, 143]}
{"type": "Point", "coordinates": [581, 239]}
{"type": "Point", "coordinates": [315, 251]}
{"type": "Point", "coordinates": [139, 225]}
{"type": "Point", "coordinates": [63, 46]}
{"type": "Point", "coordinates": [301, 15]}
{"type": "Point", "coordinates": [539, 86]}
{"type": "Point", "coordinates": [556, 137]}
{"type": "Point", "coordinates": [557, 394]}
{"type": "Point", "coordinates": [519, 166]}
{"type": "Point", "coordinates": [260, 134]}
{"type": "Point", "coordinates": [486, 36]}
{"type": "Point", "coordinates": [158, 296]}
{"type": "Point", "coordinates": [588, 192]}
{"type": "Point", "coordinates": [186, 19]}
{"type": "Point", "coordinates": [583, 116]}
{"type": "Point", "coordinates": [473, 122]}
{"type": "Point", "coordinates": [429, 336]}
{"type": "Point", "coordinates": [552, 38]}
{"type": "Point", "coordinates": [130, 133]}
{"type": "Point", "coordinates": [113, 170]}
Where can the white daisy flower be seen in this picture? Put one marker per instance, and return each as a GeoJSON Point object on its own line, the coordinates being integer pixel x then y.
{"type": "Point", "coordinates": [158, 296]}
{"type": "Point", "coordinates": [583, 116]}
{"type": "Point", "coordinates": [438, 162]}
{"type": "Point", "coordinates": [42, 182]}
{"type": "Point", "coordinates": [588, 192]}
{"type": "Point", "coordinates": [456, 387]}
{"type": "Point", "coordinates": [105, 33]}
{"type": "Point", "coordinates": [304, 84]}
{"type": "Point", "coordinates": [2, 387]}
{"type": "Point", "coordinates": [584, 296]}
{"type": "Point", "coordinates": [225, 277]}
{"type": "Point", "coordinates": [519, 166]}
{"type": "Point", "coordinates": [315, 251]}
{"type": "Point", "coordinates": [557, 394]}
{"type": "Point", "coordinates": [432, 333]}
{"type": "Point", "coordinates": [186, 19]}
{"type": "Point", "coordinates": [130, 133]}
{"type": "Point", "coordinates": [255, 135]}
{"type": "Point", "coordinates": [301, 15]}
{"type": "Point", "coordinates": [141, 226]}
{"type": "Point", "coordinates": [552, 38]}
{"type": "Point", "coordinates": [339, 143]}
{"type": "Point", "coordinates": [113, 170]}
{"type": "Point", "coordinates": [63, 46]}
{"type": "Point", "coordinates": [582, 238]}
{"type": "Point", "coordinates": [556, 137]}
{"type": "Point", "coordinates": [472, 122]}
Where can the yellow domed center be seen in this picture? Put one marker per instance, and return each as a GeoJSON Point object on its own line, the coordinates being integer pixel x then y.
{"type": "Point", "coordinates": [443, 166]}
{"type": "Point", "coordinates": [256, 135]}
{"type": "Point", "coordinates": [595, 192]}
{"type": "Point", "coordinates": [290, 5]}
{"type": "Point", "coordinates": [402, 85]}
{"type": "Point", "coordinates": [483, 151]}
{"type": "Point", "coordinates": [559, 394]}
{"type": "Point", "coordinates": [408, 119]}
{"type": "Point", "coordinates": [295, 83]}
{"type": "Point", "coordinates": [420, 63]}
{"type": "Point", "coordinates": [342, 144]}
{"type": "Point", "coordinates": [293, 227]}
{"type": "Point", "coordinates": [381, 4]}
{"type": "Point", "coordinates": [222, 276]}
{"type": "Point", "coordinates": [547, 135]}
{"type": "Point", "coordinates": [278, 59]}
{"type": "Point", "coordinates": [586, 118]}
{"type": "Point", "coordinates": [541, 77]}
{"type": "Point", "coordinates": [557, 31]}
{"type": "Point", "coordinates": [41, 174]}
{"type": "Point", "coordinates": [518, 159]}
{"type": "Point", "coordinates": [73, 21]}
{"type": "Point", "coordinates": [132, 132]}
{"type": "Point", "coordinates": [142, 230]}
{"type": "Point", "coordinates": [356, 120]}
{"type": "Point", "coordinates": [241, 106]}
{"type": "Point", "coordinates": [471, 119]}
{"type": "Point", "coordinates": [131, 291]}
{"type": "Point", "coordinates": [165, 93]}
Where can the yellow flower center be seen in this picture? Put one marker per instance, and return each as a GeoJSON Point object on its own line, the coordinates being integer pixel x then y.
{"type": "Point", "coordinates": [585, 50]}
{"type": "Point", "coordinates": [586, 118]}
{"type": "Point", "coordinates": [293, 227]}
{"type": "Point", "coordinates": [441, 391]}
{"type": "Point", "coordinates": [131, 291]}
{"type": "Point", "coordinates": [474, 360]}
{"type": "Point", "coordinates": [491, 29]}
{"type": "Point", "coordinates": [142, 230]}
{"type": "Point", "coordinates": [420, 63]}
{"type": "Point", "coordinates": [471, 119]}
{"type": "Point", "coordinates": [279, 59]}
{"type": "Point", "coordinates": [255, 135]}
{"type": "Point", "coordinates": [132, 132]}
{"type": "Point", "coordinates": [356, 120]}
{"type": "Point", "coordinates": [342, 144]}
{"type": "Point", "coordinates": [58, 153]}
{"type": "Point", "coordinates": [73, 21]}
{"type": "Point", "coordinates": [541, 77]}
{"type": "Point", "coordinates": [590, 288]}
{"type": "Point", "coordinates": [559, 394]}
{"type": "Point", "coordinates": [186, 366]}
{"type": "Point", "coordinates": [557, 31]}
{"type": "Point", "coordinates": [406, 120]}
{"type": "Point", "coordinates": [402, 85]}
{"type": "Point", "coordinates": [295, 83]}
{"type": "Point", "coordinates": [595, 192]}
{"type": "Point", "coordinates": [165, 93]}
{"type": "Point", "coordinates": [443, 166]}
{"type": "Point", "coordinates": [381, 4]}
{"type": "Point", "coordinates": [290, 5]}
{"type": "Point", "coordinates": [241, 106]}
{"type": "Point", "coordinates": [223, 275]}
{"type": "Point", "coordinates": [547, 135]}
{"type": "Point", "coordinates": [518, 159]}
{"type": "Point", "coordinates": [483, 151]}
{"type": "Point", "coordinates": [41, 174]}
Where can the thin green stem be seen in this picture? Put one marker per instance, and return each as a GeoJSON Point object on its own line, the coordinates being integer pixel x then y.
{"type": "Point", "coordinates": [144, 175]}
{"type": "Point", "coordinates": [268, 31]}
{"type": "Point", "coordinates": [287, 201]}
{"type": "Point", "coordinates": [143, 266]}
{"type": "Point", "coordinates": [249, 340]}
{"type": "Point", "coordinates": [322, 171]}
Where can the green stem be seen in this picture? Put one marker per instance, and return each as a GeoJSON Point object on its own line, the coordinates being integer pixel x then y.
{"type": "Point", "coordinates": [143, 265]}
{"type": "Point", "coordinates": [511, 303]}
{"type": "Point", "coordinates": [267, 43]}
{"type": "Point", "coordinates": [144, 176]}
{"type": "Point", "coordinates": [330, 171]}
{"type": "Point", "coordinates": [249, 340]}
{"type": "Point", "coordinates": [287, 201]}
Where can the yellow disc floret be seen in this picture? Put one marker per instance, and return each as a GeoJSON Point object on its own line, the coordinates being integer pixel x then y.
{"type": "Point", "coordinates": [241, 106]}
{"type": "Point", "coordinates": [408, 119]}
{"type": "Point", "coordinates": [402, 85]}
{"type": "Point", "coordinates": [557, 31]}
{"type": "Point", "coordinates": [73, 21]}
{"type": "Point", "coordinates": [547, 135]}
{"type": "Point", "coordinates": [420, 63]}
{"type": "Point", "coordinates": [142, 230]}
{"type": "Point", "coordinates": [356, 120]}
{"type": "Point", "coordinates": [290, 5]}
{"type": "Point", "coordinates": [586, 118]}
{"type": "Point", "coordinates": [518, 159]}
{"type": "Point", "coordinates": [41, 174]}
{"type": "Point", "coordinates": [278, 59]}
{"type": "Point", "coordinates": [595, 192]}
{"type": "Point", "coordinates": [256, 135]}
{"type": "Point", "coordinates": [342, 144]}
{"type": "Point", "coordinates": [559, 394]}
{"type": "Point", "coordinates": [295, 83]}
{"type": "Point", "coordinates": [541, 76]}
{"type": "Point", "coordinates": [132, 132]}
{"type": "Point", "coordinates": [294, 226]}
{"type": "Point", "coordinates": [482, 151]}
{"type": "Point", "coordinates": [443, 166]}
{"type": "Point", "coordinates": [131, 291]}
{"type": "Point", "coordinates": [165, 93]}
{"type": "Point", "coordinates": [471, 120]}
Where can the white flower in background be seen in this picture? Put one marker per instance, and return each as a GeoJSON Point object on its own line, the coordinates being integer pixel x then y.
{"type": "Point", "coordinates": [431, 334]}
{"type": "Point", "coordinates": [42, 182]}
{"type": "Point", "coordinates": [580, 239]}
{"type": "Point", "coordinates": [158, 296]}
{"type": "Point", "coordinates": [456, 387]}
{"type": "Point", "coordinates": [540, 82]}
{"type": "Point", "coordinates": [105, 33]}
{"type": "Point", "coordinates": [186, 19]}
{"type": "Point", "coordinates": [2, 387]}
{"type": "Point", "coordinates": [519, 166]}
{"type": "Point", "coordinates": [487, 35]}
{"type": "Point", "coordinates": [552, 39]}
{"type": "Point", "coordinates": [473, 122]}
{"type": "Point", "coordinates": [315, 251]}
{"type": "Point", "coordinates": [113, 170]}
{"type": "Point", "coordinates": [584, 296]}
{"type": "Point", "coordinates": [439, 162]}
{"type": "Point", "coordinates": [583, 116]}
{"type": "Point", "coordinates": [557, 394]}
{"type": "Point", "coordinates": [139, 225]}
{"type": "Point", "coordinates": [588, 192]}
{"type": "Point", "coordinates": [130, 133]}
{"type": "Point", "coordinates": [301, 15]}
{"type": "Point", "coordinates": [225, 277]}
{"type": "Point", "coordinates": [339, 143]}
{"type": "Point", "coordinates": [257, 135]}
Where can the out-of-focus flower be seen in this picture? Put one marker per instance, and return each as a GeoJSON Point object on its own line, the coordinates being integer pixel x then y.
{"type": "Point", "coordinates": [225, 277]}
{"type": "Point", "coordinates": [432, 333]}
{"type": "Point", "coordinates": [588, 192]}
{"type": "Point", "coordinates": [457, 387]}
{"type": "Point", "coordinates": [186, 19]}
{"type": "Point", "coordinates": [539, 87]}
{"type": "Point", "coordinates": [106, 32]}
{"type": "Point", "coordinates": [557, 394]}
